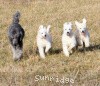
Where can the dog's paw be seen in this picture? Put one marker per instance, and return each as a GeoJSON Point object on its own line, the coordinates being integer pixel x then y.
{"type": "Point", "coordinates": [67, 54]}
{"type": "Point", "coordinates": [42, 57]}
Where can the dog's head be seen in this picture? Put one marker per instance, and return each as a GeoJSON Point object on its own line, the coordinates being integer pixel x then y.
{"type": "Point", "coordinates": [67, 28]}
{"type": "Point", "coordinates": [15, 39]}
{"type": "Point", "coordinates": [81, 26]}
{"type": "Point", "coordinates": [43, 31]}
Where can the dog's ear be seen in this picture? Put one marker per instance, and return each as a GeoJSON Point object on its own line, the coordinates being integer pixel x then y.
{"type": "Point", "coordinates": [76, 23]}
{"type": "Point", "coordinates": [84, 20]}
{"type": "Point", "coordinates": [70, 23]}
{"type": "Point", "coordinates": [48, 28]}
{"type": "Point", "coordinates": [41, 26]}
{"type": "Point", "coordinates": [65, 24]}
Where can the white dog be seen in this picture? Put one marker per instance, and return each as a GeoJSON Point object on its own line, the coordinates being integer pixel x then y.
{"type": "Point", "coordinates": [82, 34]}
{"type": "Point", "coordinates": [68, 39]}
{"type": "Point", "coordinates": [44, 40]}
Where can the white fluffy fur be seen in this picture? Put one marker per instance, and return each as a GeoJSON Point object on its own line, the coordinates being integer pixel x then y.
{"type": "Point", "coordinates": [82, 34]}
{"type": "Point", "coordinates": [68, 39]}
{"type": "Point", "coordinates": [43, 40]}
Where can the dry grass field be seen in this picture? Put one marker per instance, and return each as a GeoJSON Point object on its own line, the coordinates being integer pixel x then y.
{"type": "Point", "coordinates": [83, 69]}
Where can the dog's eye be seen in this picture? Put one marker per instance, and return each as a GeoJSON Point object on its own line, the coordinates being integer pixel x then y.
{"type": "Point", "coordinates": [41, 33]}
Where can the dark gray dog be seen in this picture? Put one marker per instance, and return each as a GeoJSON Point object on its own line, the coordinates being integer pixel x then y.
{"type": "Point", "coordinates": [16, 34]}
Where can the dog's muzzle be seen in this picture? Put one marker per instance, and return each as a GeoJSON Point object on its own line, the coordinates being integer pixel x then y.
{"type": "Point", "coordinates": [68, 33]}
{"type": "Point", "coordinates": [44, 37]}
{"type": "Point", "coordinates": [83, 32]}
{"type": "Point", "coordinates": [15, 42]}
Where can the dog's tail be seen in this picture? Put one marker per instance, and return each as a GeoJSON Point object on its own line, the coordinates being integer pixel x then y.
{"type": "Point", "coordinates": [16, 17]}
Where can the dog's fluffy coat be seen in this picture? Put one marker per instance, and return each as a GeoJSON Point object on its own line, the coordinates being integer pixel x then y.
{"type": "Point", "coordinates": [44, 40]}
{"type": "Point", "coordinates": [82, 34]}
{"type": "Point", "coordinates": [16, 35]}
{"type": "Point", "coordinates": [68, 39]}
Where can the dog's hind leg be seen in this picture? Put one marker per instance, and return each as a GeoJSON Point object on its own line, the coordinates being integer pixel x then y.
{"type": "Point", "coordinates": [13, 51]}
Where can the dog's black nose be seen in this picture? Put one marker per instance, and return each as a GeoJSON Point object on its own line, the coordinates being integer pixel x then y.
{"type": "Point", "coordinates": [45, 35]}
{"type": "Point", "coordinates": [15, 44]}
{"type": "Point", "coordinates": [68, 33]}
{"type": "Point", "coordinates": [82, 31]}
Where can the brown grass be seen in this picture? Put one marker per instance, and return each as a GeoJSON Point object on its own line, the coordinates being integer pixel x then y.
{"type": "Point", "coordinates": [84, 68]}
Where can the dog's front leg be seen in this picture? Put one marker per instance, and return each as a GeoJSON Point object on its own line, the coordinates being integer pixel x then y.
{"type": "Point", "coordinates": [87, 44]}
{"type": "Point", "coordinates": [70, 48]}
{"type": "Point", "coordinates": [65, 50]}
{"type": "Point", "coordinates": [41, 52]}
{"type": "Point", "coordinates": [18, 53]}
{"type": "Point", "coordinates": [14, 52]}
{"type": "Point", "coordinates": [47, 48]}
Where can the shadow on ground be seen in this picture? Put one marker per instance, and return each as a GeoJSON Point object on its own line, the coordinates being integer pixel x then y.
{"type": "Point", "coordinates": [91, 48]}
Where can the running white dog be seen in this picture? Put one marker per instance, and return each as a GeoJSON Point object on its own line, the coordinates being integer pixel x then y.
{"type": "Point", "coordinates": [82, 34]}
{"type": "Point", "coordinates": [44, 40]}
{"type": "Point", "coordinates": [68, 39]}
